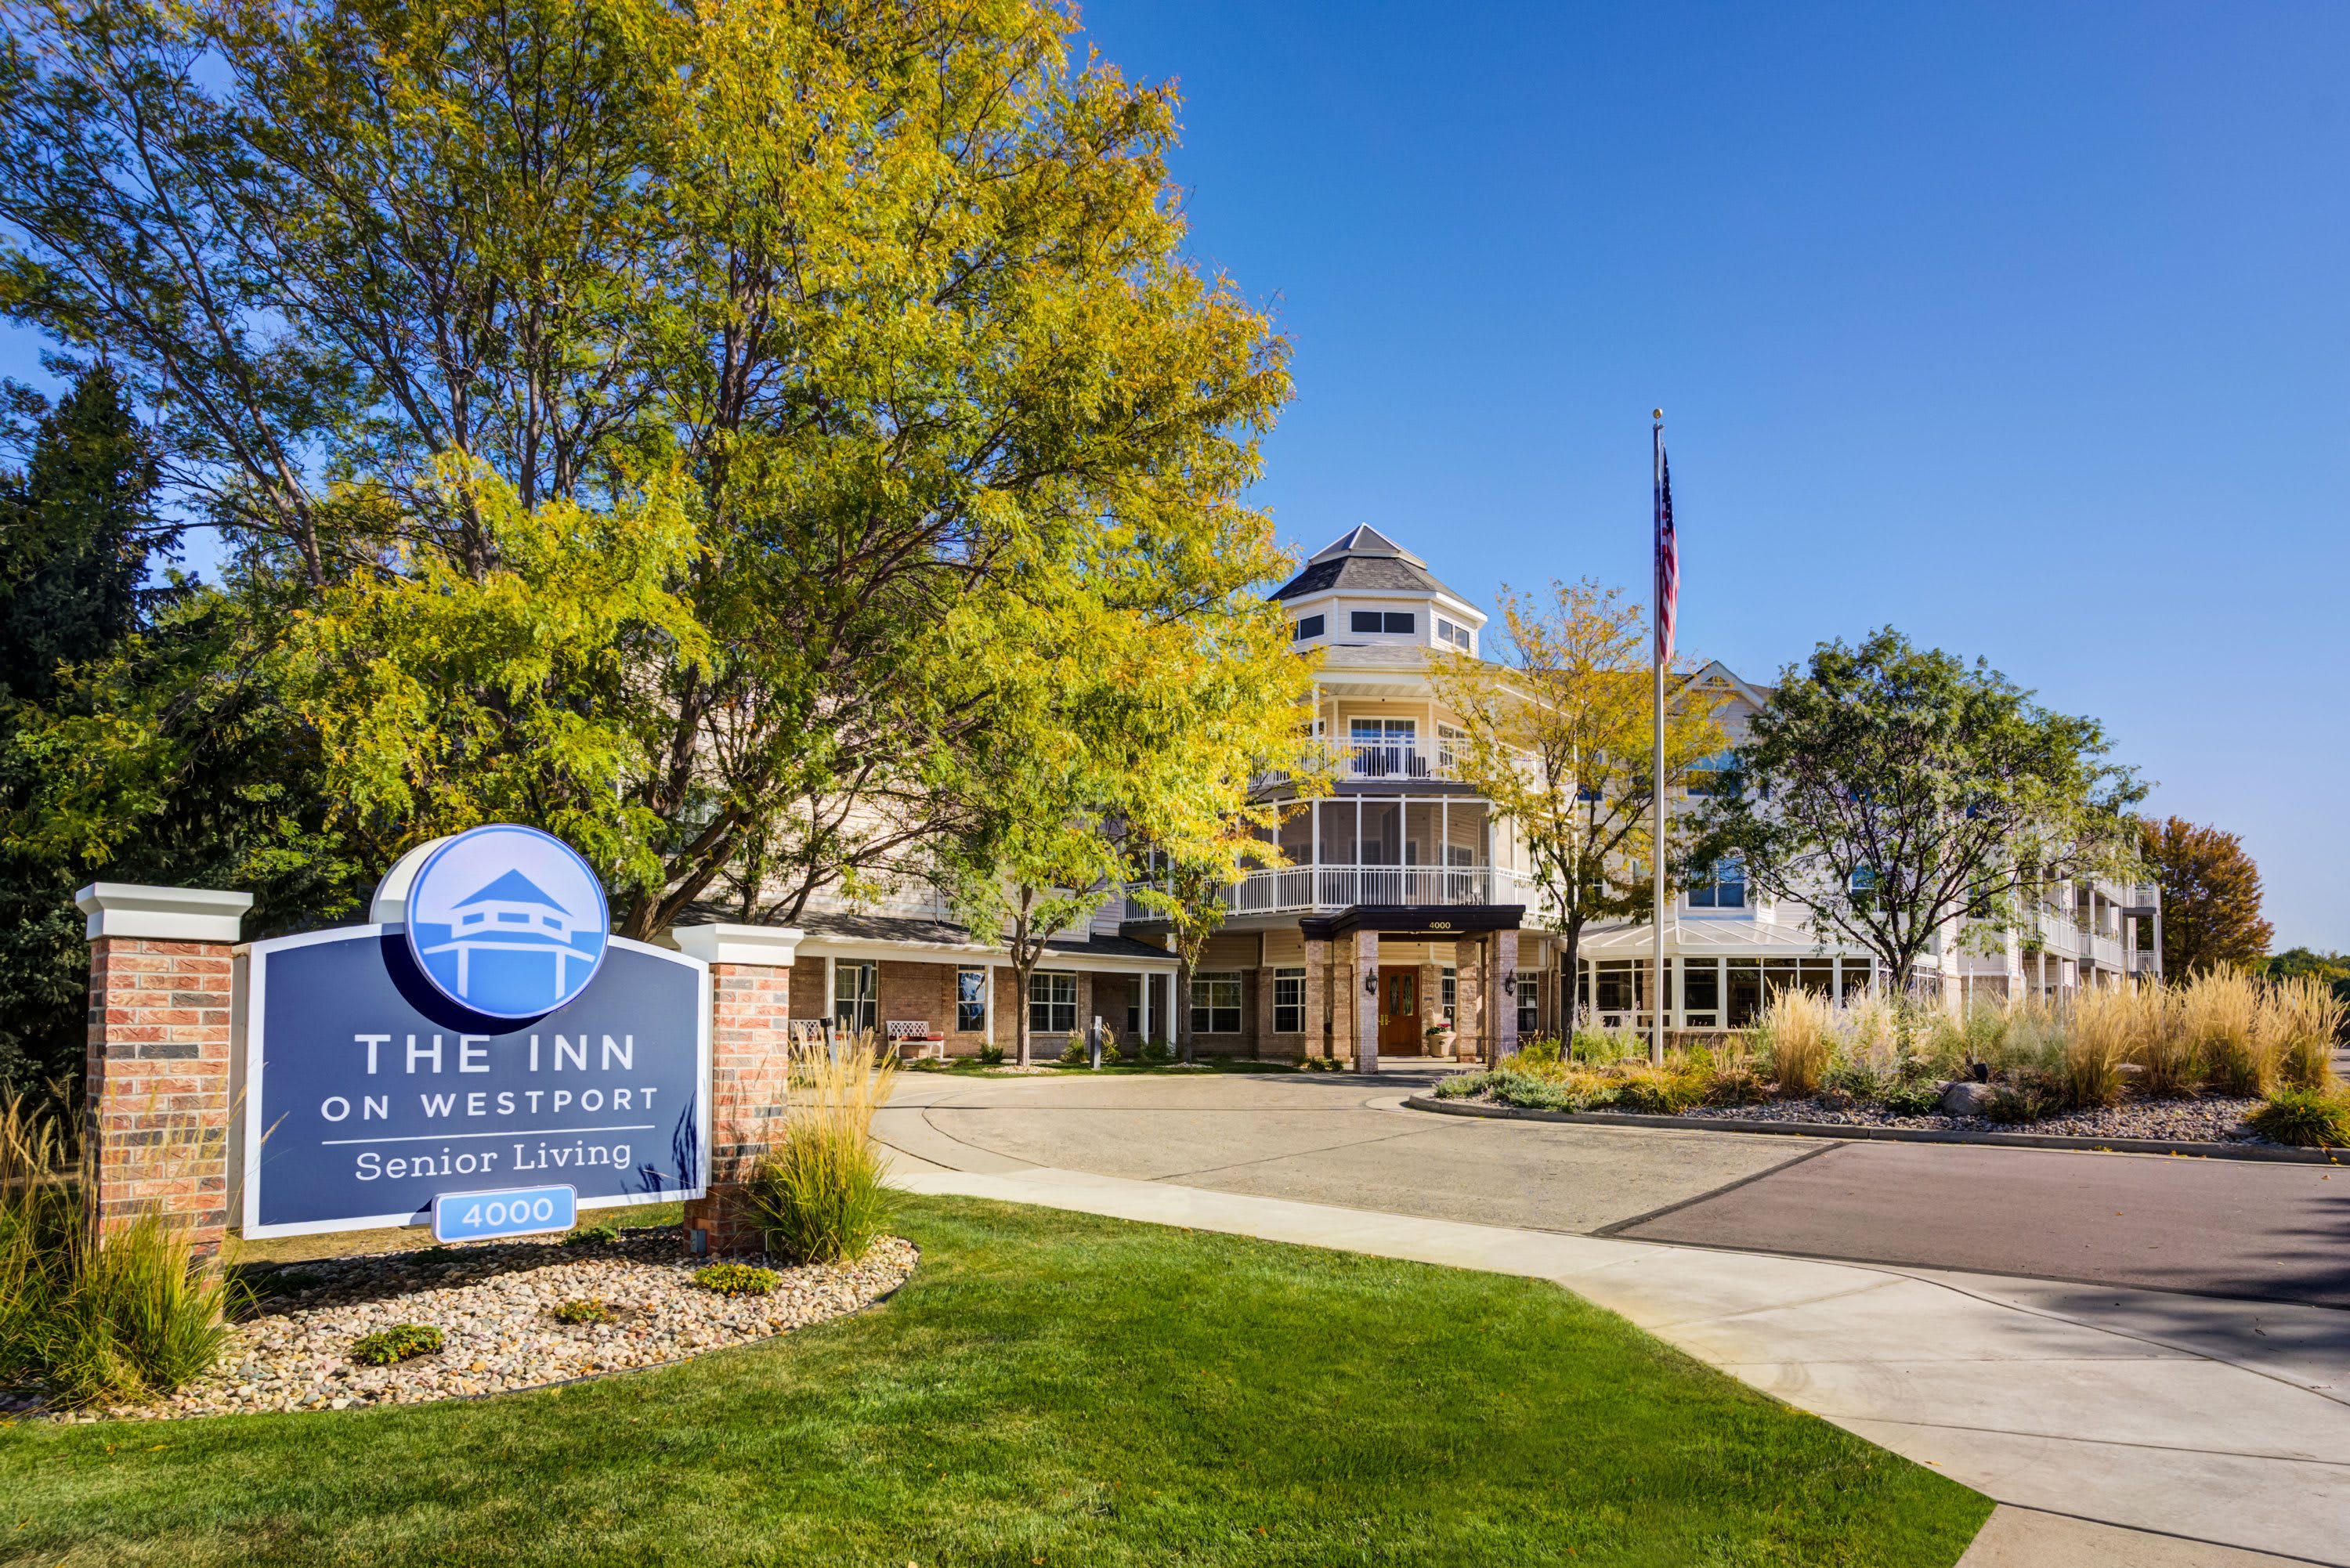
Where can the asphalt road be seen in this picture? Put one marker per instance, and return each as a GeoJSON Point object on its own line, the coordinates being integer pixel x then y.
{"type": "Point", "coordinates": [2275, 1232]}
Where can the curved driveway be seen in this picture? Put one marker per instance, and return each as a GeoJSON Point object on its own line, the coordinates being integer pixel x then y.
{"type": "Point", "coordinates": [2275, 1232]}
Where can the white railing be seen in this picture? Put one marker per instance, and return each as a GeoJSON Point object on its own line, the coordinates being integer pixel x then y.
{"type": "Point", "coordinates": [1308, 888]}
{"type": "Point", "coordinates": [2058, 934]}
{"type": "Point", "coordinates": [1355, 761]}
{"type": "Point", "coordinates": [2105, 949]}
{"type": "Point", "coordinates": [2146, 961]}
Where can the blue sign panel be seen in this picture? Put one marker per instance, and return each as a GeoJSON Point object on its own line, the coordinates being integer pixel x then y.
{"type": "Point", "coordinates": [369, 1093]}
{"type": "Point", "coordinates": [507, 921]}
{"type": "Point", "coordinates": [508, 1211]}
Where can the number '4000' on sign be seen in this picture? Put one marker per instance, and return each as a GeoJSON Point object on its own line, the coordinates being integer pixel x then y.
{"type": "Point", "coordinates": [509, 1211]}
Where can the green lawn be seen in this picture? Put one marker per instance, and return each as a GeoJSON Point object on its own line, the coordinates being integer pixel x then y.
{"type": "Point", "coordinates": [1049, 1388]}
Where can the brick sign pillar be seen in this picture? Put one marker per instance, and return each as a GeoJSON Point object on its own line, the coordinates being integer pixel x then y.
{"type": "Point", "coordinates": [750, 1058]}
{"type": "Point", "coordinates": [155, 1094]}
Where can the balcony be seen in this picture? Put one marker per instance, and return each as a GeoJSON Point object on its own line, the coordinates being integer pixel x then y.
{"type": "Point", "coordinates": [2102, 950]}
{"type": "Point", "coordinates": [2147, 961]}
{"type": "Point", "coordinates": [1356, 762]}
{"type": "Point", "coordinates": [1304, 890]}
{"type": "Point", "coordinates": [2059, 936]}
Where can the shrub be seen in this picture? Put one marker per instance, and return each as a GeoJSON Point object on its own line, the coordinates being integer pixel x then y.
{"type": "Point", "coordinates": [1599, 1047]}
{"type": "Point", "coordinates": [597, 1235]}
{"type": "Point", "coordinates": [1157, 1054]}
{"type": "Point", "coordinates": [399, 1342]}
{"type": "Point", "coordinates": [737, 1280]}
{"type": "Point", "coordinates": [1795, 1034]}
{"type": "Point", "coordinates": [1111, 1055]}
{"type": "Point", "coordinates": [2020, 1104]}
{"type": "Point", "coordinates": [1658, 1091]}
{"type": "Point", "coordinates": [1072, 1054]}
{"type": "Point", "coordinates": [130, 1314]}
{"type": "Point", "coordinates": [1462, 1085]}
{"type": "Point", "coordinates": [2309, 1118]}
{"type": "Point", "coordinates": [585, 1309]}
{"type": "Point", "coordinates": [1733, 1084]}
{"type": "Point", "coordinates": [1541, 1051]}
{"type": "Point", "coordinates": [1911, 1096]}
{"type": "Point", "coordinates": [990, 1055]}
{"type": "Point", "coordinates": [818, 1193]}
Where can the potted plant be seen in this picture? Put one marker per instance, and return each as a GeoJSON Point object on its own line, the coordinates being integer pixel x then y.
{"type": "Point", "coordinates": [1437, 1041]}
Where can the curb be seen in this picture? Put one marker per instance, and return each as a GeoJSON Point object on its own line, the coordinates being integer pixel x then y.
{"type": "Point", "coordinates": [1861, 1132]}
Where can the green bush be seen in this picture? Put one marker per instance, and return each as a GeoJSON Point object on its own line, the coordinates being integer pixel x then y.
{"type": "Point", "coordinates": [1543, 1050]}
{"type": "Point", "coordinates": [1733, 1084]}
{"type": "Point", "coordinates": [399, 1342]}
{"type": "Point", "coordinates": [990, 1055]}
{"type": "Point", "coordinates": [1911, 1096]}
{"type": "Point", "coordinates": [1660, 1091]}
{"type": "Point", "coordinates": [1158, 1054]}
{"type": "Point", "coordinates": [587, 1309]}
{"type": "Point", "coordinates": [1462, 1085]}
{"type": "Point", "coordinates": [737, 1280]}
{"type": "Point", "coordinates": [2020, 1104]}
{"type": "Point", "coordinates": [594, 1235]}
{"type": "Point", "coordinates": [2308, 1118]}
{"type": "Point", "coordinates": [1598, 1047]}
{"type": "Point", "coordinates": [1111, 1055]}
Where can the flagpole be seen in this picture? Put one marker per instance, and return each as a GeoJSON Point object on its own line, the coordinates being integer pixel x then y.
{"type": "Point", "coordinates": [1657, 777]}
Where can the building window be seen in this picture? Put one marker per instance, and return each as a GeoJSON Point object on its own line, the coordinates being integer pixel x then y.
{"type": "Point", "coordinates": [1701, 993]}
{"type": "Point", "coordinates": [855, 989]}
{"type": "Point", "coordinates": [1289, 1001]}
{"type": "Point", "coordinates": [970, 1001]}
{"type": "Point", "coordinates": [1451, 993]}
{"type": "Point", "coordinates": [1403, 621]}
{"type": "Point", "coordinates": [1529, 1004]}
{"type": "Point", "coordinates": [1215, 1004]}
{"type": "Point", "coordinates": [1723, 887]}
{"type": "Point", "coordinates": [1447, 632]}
{"type": "Point", "coordinates": [1052, 1003]}
{"type": "Point", "coordinates": [1307, 626]}
{"type": "Point", "coordinates": [1713, 776]}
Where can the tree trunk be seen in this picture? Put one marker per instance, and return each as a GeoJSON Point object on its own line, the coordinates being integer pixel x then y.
{"type": "Point", "coordinates": [1024, 966]}
{"type": "Point", "coordinates": [1181, 1002]}
{"type": "Point", "coordinates": [1571, 983]}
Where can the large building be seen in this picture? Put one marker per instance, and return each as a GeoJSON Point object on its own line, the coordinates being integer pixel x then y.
{"type": "Point", "coordinates": [1404, 922]}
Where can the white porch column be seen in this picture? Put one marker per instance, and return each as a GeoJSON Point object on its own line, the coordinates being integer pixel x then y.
{"type": "Point", "coordinates": [1367, 1003]}
{"type": "Point", "coordinates": [1145, 981]}
{"type": "Point", "coordinates": [987, 1007]}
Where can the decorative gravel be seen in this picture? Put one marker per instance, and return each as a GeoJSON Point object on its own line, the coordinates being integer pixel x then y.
{"type": "Point", "coordinates": [495, 1308]}
{"type": "Point", "coordinates": [2216, 1120]}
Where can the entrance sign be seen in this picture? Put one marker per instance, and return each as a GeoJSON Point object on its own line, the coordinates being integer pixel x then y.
{"type": "Point", "coordinates": [389, 1065]}
{"type": "Point", "coordinates": [506, 921]}
{"type": "Point", "coordinates": [509, 1211]}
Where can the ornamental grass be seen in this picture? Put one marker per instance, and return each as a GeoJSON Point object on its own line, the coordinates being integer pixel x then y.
{"type": "Point", "coordinates": [1798, 1036]}
{"type": "Point", "coordinates": [2101, 1035]}
{"type": "Point", "coordinates": [2221, 1017]}
{"type": "Point", "coordinates": [92, 1319]}
{"type": "Point", "coordinates": [2302, 1018]}
{"type": "Point", "coordinates": [817, 1193]}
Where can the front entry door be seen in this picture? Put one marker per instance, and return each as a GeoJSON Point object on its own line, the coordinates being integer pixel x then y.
{"type": "Point", "coordinates": [1399, 1010]}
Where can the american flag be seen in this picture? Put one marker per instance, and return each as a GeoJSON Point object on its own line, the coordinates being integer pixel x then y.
{"type": "Point", "coordinates": [1668, 556]}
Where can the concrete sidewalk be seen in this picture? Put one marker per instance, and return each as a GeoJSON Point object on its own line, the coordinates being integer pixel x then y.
{"type": "Point", "coordinates": [2076, 1424]}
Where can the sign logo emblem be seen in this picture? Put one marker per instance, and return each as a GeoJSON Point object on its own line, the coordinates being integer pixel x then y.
{"type": "Point", "coordinates": [508, 922]}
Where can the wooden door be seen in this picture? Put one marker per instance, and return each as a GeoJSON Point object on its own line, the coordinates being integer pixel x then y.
{"type": "Point", "coordinates": [1399, 1009]}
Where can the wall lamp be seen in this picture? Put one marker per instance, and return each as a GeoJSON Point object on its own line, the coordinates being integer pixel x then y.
{"type": "Point", "coordinates": [1509, 986]}
{"type": "Point", "coordinates": [1371, 982]}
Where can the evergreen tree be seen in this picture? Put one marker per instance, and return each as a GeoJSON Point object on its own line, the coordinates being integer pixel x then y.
{"type": "Point", "coordinates": [78, 530]}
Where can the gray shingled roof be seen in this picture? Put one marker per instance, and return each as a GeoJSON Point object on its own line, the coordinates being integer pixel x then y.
{"type": "Point", "coordinates": [1364, 560]}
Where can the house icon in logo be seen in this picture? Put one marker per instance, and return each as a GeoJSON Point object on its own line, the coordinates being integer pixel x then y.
{"type": "Point", "coordinates": [512, 915]}
{"type": "Point", "coordinates": [507, 920]}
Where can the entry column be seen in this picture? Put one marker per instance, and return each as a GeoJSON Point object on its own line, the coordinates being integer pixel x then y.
{"type": "Point", "coordinates": [750, 1067]}
{"type": "Point", "coordinates": [1366, 1004]}
{"type": "Point", "coordinates": [155, 1090]}
{"type": "Point", "coordinates": [1506, 1016]}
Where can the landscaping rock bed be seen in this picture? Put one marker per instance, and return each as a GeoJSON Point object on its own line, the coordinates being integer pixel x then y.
{"type": "Point", "coordinates": [2211, 1120]}
{"type": "Point", "coordinates": [495, 1307]}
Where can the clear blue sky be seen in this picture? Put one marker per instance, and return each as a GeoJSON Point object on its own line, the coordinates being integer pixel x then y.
{"type": "Point", "coordinates": [2020, 327]}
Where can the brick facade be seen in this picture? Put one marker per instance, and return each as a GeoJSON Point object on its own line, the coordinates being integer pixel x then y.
{"type": "Point", "coordinates": [749, 1067]}
{"type": "Point", "coordinates": [156, 1098]}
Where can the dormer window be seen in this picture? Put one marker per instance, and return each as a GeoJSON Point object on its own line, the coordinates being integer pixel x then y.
{"type": "Point", "coordinates": [1399, 621]}
{"type": "Point", "coordinates": [1307, 627]}
{"type": "Point", "coordinates": [1454, 636]}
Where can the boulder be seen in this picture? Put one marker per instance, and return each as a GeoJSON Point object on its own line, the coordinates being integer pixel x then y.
{"type": "Point", "coordinates": [1962, 1098]}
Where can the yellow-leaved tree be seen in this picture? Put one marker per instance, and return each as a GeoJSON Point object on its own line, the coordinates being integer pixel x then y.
{"type": "Point", "coordinates": [1559, 734]}
{"type": "Point", "coordinates": [663, 423]}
